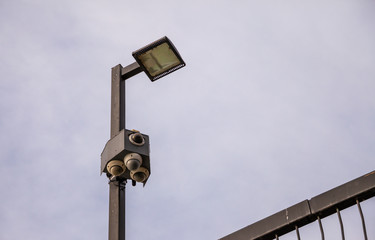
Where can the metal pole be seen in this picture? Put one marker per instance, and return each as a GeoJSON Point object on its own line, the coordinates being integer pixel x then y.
{"type": "Point", "coordinates": [116, 210]}
{"type": "Point", "coordinates": [117, 101]}
{"type": "Point", "coordinates": [116, 226]}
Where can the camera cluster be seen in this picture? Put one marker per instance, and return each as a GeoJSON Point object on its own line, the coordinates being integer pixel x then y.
{"type": "Point", "coordinates": [127, 156]}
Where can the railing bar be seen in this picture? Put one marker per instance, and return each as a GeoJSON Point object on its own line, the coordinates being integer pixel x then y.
{"type": "Point", "coordinates": [321, 227]}
{"type": "Point", "coordinates": [363, 219]}
{"type": "Point", "coordinates": [298, 237]}
{"type": "Point", "coordinates": [341, 224]}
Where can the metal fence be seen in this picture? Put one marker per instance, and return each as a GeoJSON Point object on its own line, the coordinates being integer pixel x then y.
{"type": "Point", "coordinates": [315, 209]}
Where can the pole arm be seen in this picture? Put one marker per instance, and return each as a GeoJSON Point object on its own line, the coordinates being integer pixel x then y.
{"type": "Point", "coordinates": [130, 70]}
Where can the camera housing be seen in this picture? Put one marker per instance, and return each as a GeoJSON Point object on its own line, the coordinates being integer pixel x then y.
{"type": "Point", "coordinates": [116, 167]}
{"type": "Point", "coordinates": [133, 161]}
{"type": "Point", "coordinates": [140, 175]}
{"type": "Point", "coordinates": [137, 139]}
{"type": "Point", "coordinates": [127, 145]}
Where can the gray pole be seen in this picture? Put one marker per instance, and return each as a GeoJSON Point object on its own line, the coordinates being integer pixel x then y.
{"type": "Point", "coordinates": [116, 225]}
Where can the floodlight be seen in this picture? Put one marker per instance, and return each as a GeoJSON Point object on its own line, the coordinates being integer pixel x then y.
{"type": "Point", "coordinates": [159, 58]}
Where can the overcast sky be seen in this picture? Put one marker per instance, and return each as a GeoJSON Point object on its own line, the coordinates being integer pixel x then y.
{"type": "Point", "coordinates": [275, 105]}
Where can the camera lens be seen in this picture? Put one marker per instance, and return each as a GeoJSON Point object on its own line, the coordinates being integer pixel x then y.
{"type": "Point", "coordinates": [139, 176]}
{"type": "Point", "coordinates": [133, 164]}
{"type": "Point", "coordinates": [137, 139]}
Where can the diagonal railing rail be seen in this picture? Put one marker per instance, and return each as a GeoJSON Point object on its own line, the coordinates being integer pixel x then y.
{"type": "Point", "coordinates": [308, 211]}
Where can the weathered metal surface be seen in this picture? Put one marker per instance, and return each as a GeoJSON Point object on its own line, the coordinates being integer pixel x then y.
{"type": "Point", "coordinates": [308, 211]}
{"type": "Point", "coordinates": [344, 195]}
{"type": "Point", "coordinates": [130, 70]}
{"type": "Point", "coordinates": [279, 223]}
{"type": "Point", "coordinates": [116, 226]}
{"type": "Point", "coordinates": [120, 145]}
{"type": "Point", "coordinates": [117, 102]}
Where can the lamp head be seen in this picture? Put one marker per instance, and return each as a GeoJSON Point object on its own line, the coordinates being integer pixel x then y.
{"type": "Point", "coordinates": [159, 58]}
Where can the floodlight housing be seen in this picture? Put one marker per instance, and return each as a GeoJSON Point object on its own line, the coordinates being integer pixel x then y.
{"type": "Point", "coordinates": [159, 58]}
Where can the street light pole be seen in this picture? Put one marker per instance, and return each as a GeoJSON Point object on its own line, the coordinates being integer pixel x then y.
{"type": "Point", "coordinates": [116, 226]}
{"type": "Point", "coordinates": [127, 154]}
{"type": "Point", "coordinates": [117, 101]}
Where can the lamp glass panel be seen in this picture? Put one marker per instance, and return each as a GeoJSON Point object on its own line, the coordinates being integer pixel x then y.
{"type": "Point", "coordinates": [159, 59]}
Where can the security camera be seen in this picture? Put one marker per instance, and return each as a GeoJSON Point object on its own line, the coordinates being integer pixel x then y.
{"type": "Point", "coordinates": [133, 161]}
{"type": "Point", "coordinates": [137, 139]}
{"type": "Point", "coordinates": [116, 167]}
{"type": "Point", "coordinates": [127, 156]}
{"type": "Point", "coordinates": [140, 175]}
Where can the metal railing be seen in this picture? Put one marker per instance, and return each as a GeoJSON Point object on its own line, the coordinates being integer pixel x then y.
{"type": "Point", "coordinates": [308, 211]}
